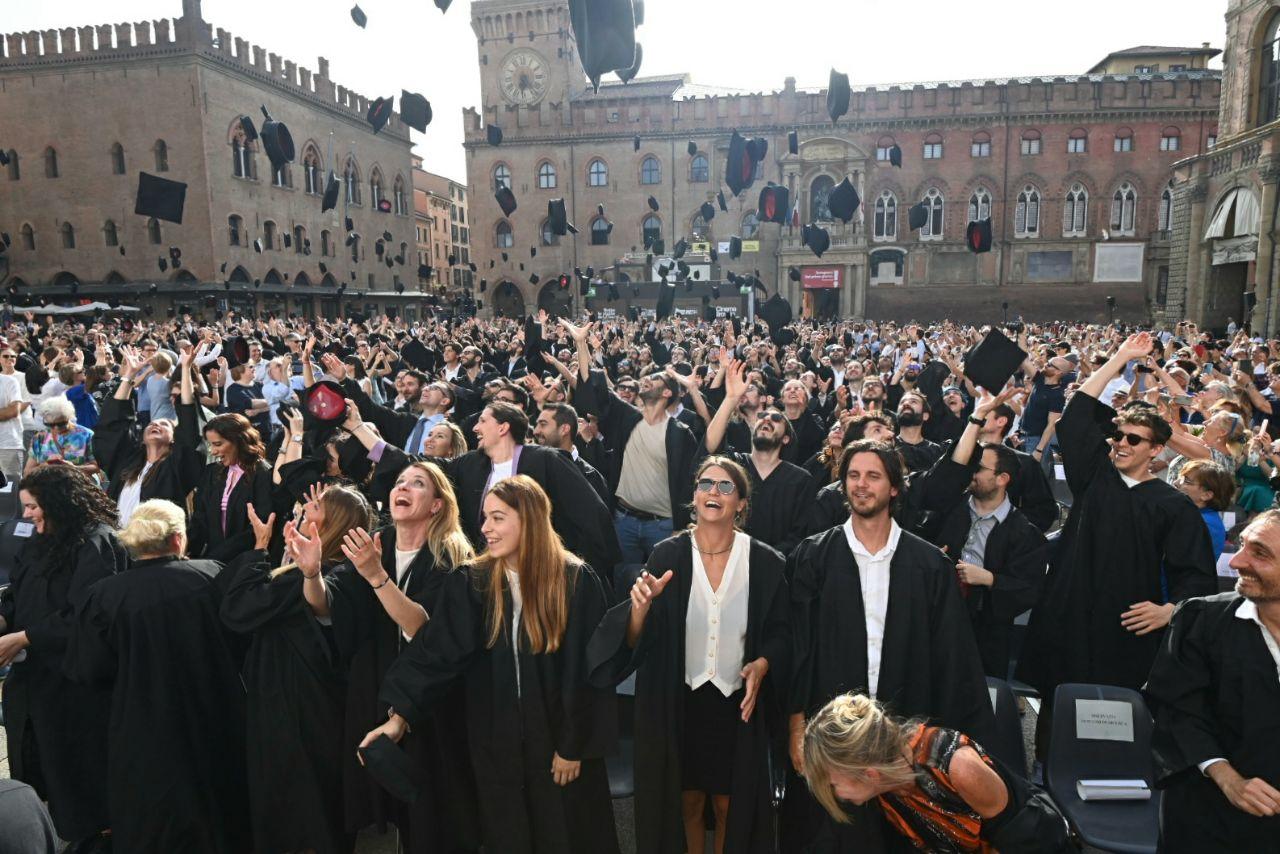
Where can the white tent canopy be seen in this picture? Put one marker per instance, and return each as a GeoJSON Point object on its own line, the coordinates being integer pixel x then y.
{"type": "Point", "coordinates": [90, 308]}
{"type": "Point", "coordinates": [1247, 215]}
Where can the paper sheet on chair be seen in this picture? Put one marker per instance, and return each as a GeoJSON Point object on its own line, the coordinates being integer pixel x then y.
{"type": "Point", "coordinates": [1104, 720]}
{"type": "Point", "coordinates": [1113, 790]}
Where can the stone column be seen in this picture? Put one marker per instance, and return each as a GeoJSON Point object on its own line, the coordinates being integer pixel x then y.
{"type": "Point", "coordinates": [1264, 274]}
{"type": "Point", "coordinates": [1193, 307]}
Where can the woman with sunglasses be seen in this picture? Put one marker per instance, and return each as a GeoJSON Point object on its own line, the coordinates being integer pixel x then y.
{"type": "Point", "coordinates": [1222, 440]}
{"type": "Point", "coordinates": [62, 441]}
{"type": "Point", "coordinates": [706, 631]}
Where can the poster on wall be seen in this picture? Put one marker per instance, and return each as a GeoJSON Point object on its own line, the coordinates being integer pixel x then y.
{"type": "Point", "coordinates": [821, 278]}
{"type": "Point", "coordinates": [1118, 262]}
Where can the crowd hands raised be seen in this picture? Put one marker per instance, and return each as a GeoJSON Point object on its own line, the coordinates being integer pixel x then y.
{"type": "Point", "coordinates": [287, 580]}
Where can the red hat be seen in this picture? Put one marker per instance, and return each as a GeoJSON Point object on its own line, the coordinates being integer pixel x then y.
{"type": "Point", "coordinates": [326, 402]}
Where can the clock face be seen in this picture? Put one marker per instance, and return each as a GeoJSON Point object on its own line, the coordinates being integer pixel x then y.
{"type": "Point", "coordinates": [523, 77]}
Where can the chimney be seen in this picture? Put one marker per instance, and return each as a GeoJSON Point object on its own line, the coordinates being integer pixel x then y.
{"type": "Point", "coordinates": [1204, 45]}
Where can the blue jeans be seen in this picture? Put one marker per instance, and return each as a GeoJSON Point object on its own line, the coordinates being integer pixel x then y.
{"type": "Point", "coordinates": [637, 538]}
{"type": "Point", "coordinates": [1046, 459]}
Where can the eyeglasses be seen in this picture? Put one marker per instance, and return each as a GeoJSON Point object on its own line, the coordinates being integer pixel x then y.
{"type": "Point", "coordinates": [776, 417]}
{"type": "Point", "coordinates": [56, 425]}
{"type": "Point", "coordinates": [7, 356]}
{"type": "Point", "coordinates": [1133, 439]}
{"type": "Point", "coordinates": [724, 487]}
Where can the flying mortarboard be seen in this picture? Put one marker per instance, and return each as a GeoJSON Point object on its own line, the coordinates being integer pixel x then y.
{"type": "Point", "coordinates": [635, 142]}
{"type": "Point", "coordinates": [160, 198]}
{"type": "Point", "coordinates": [653, 204]}
{"type": "Point", "coordinates": [626, 75]}
{"type": "Point", "coordinates": [793, 142]}
{"type": "Point", "coordinates": [257, 246]}
{"type": "Point", "coordinates": [708, 211]}
{"type": "Point", "coordinates": [277, 141]}
{"type": "Point", "coordinates": [817, 239]}
{"type": "Point", "coordinates": [724, 206]}
{"type": "Point", "coordinates": [666, 300]}
{"type": "Point", "coordinates": [739, 170]}
{"type": "Point", "coordinates": [693, 148]}
{"type": "Point", "coordinates": [978, 236]}
{"type": "Point", "coordinates": [415, 110]}
{"type": "Point", "coordinates": [773, 204]}
{"type": "Point", "coordinates": [379, 112]}
{"type": "Point", "coordinates": [735, 247]}
{"type": "Point", "coordinates": [605, 31]}
{"type": "Point", "coordinates": [917, 216]}
{"type": "Point", "coordinates": [506, 200]}
{"type": "Point", "coordinates": [164, 264]}
{"type": "Point", "coordinates": [358, 15]}
{"type": "Point", "coordinates": [843, 201]}
{"type": "Point", "coordinates": [288, 241]}
{"type": "Point", "coordinates": [776, 311]}
{"type": "Point", "coordinates": [895, 156]}
{"type": "Point", "coordinates": [837, 95]}
{"type": "Point", "coordinates": [493, 134]}
{"type": "Point", "coordinates": [557, 217]}
{"type": "Point", "coordinates": [993, 361]}
{"type": "Point", "coordinates": [533, 252]}
{"type": "Point", "coordinates": [325, 402]}
{"type": "Point", "coordinates": [681, 247]}
{"type": "Point", "coordinates": [533, 278]}
{"type": "Point", "coordinates": [793, 274]}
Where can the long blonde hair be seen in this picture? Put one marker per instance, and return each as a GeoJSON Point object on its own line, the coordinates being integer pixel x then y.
{"type": "Point", "coordinates": [345, 509]}
{"type": "Point", "coordinates": [445, 538]}
{"type": "Point", "coordinates": [540, 560]}
{"type": "Point", "coordinates": [852, 735]}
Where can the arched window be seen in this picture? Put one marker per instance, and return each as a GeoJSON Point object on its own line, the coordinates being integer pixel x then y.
{"type": "Point", "coordinates": [110, 235]}
{"type": "Point", "coordinates": [650, 171]}
{"type": "Point", "coordinates": [1124, 203]}
{"type": "Point", "coordinates": [311, 172]}
{"type": "Point", "coordinates": [326, 244]}
{"type": "Point", "coordinates": [819, 195]}
{"type": "Point", "coordinates": [546, 176]}
{"type": "Point", "coordinates": [1170, 139]}
{"type": "Point", "coordinates": [700, 169]}
{"type": "Point", "coordinates": [979, 205]}
{"type": "Point", "coordinates": [884, 145]}
{"type": "Point", "coordinates": [1026, 216]}
{"type": "Point", "coordinates": [1030, 142]}
{"type": "Point", "coordinates": [240, 276]}
{"type": "Point", "coordinates": [597, 173]}
{"type": "Point", "coordinates": [549, 237]}
{"type": "Point", "coordinates": [114, 278]}
{"type": "Point", "coordinates": [1075, 209]}
{"type": "Point", "coordinates": [599, 231]}
{"type": "Point", "coordinates": [351, 178]}
{"type": "Point", "coordinates": [50, 163]}
{"type": "Point", "coordinates": [934, 204]}
{"type": "Point", "coordinates": [28, 237]}
{"type": "Point", "coordinates": [750, 226]}
{"type": "Point", "coordinates": [1166, 208]}
{"type": "Point", "coordinates": [503, 236]}
{"type": "Point", "coordinates": [302, 280]}
{"type": "Point", "coordinates": [1078, 141]}
{"type": "Point", "coordinates": [651, 229]}
{"type": "Point", "coordinates": [282, 177]}
{"type": "Point", "coordinates": [272, 277]}
{"type": "Point", "coordinates": [1124, 140]}
{"type": "Point", "coordinates": [242, 165]}
{"type": "Point", "coordinates": [400, 203]}
{"type": "Point", "coordinates": [981, 144]}
{"type": "Point", "coordinates": [501, 177]}
{"type": "Point", "coordinates": [933, 147]}
{"type": "Point", "coordinates": [886, 217]}
{"type": "Point", "coordinates": [235, 230]}
{"type": "Point", "coordinates": [161, 151]}
{"type": "Point", "coordinates": [375, 189]}
{"type": "Point", "coordinates": [299, 239]}
{"type": "Point", "coordinates": [1269, 74]}
{"type": "Point", "coordinates": [154, 237]}
{"type": "Point", "coordinates": [14, 172]}
{"type": "Point", "coordinates": [68, 236]}
{"type": "Point", "coordinates": [268, 235]}
{"type": "Point", "coordinates": [117, 159]}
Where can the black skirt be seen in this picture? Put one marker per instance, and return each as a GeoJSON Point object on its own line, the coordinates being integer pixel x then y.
{"type": "Point", "coordinates": [710, 732]}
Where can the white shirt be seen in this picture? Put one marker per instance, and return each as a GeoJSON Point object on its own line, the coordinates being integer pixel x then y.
{"type": "Point", "coordinates": [873, 576]}
{"type": "Point", "coordinates": [500, 471]}
{"type": "Point", "coordinates": [1249, 611]}
{"type": "Point", "coordinates": [715, 624]}
{"type": "Point", "coordinates": [404, 559]}
{"type": "Point", "coordinates": [131, 495]}
{"type": "Point", "coordinates": [10, 430]}
{"type": "Point", "coordinates": [517, 608]}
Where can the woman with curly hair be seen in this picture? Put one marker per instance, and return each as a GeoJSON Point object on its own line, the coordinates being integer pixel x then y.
{"type": "Point", "coordinates": [239, 477]}
{"type": "Point", "coordinates": [57, 729]}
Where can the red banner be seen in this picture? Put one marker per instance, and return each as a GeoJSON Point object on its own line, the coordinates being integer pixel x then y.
{"type": "Point", "coordinates": [821, 277]}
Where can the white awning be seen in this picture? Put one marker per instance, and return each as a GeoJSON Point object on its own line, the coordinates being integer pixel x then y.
{"type": "Point", "coordinates": [1244, 204]}
{"type": "Point", "coordinates": [88, 308]}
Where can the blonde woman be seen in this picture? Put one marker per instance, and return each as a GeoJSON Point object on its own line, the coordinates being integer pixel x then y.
{"type": "Point", "coordinates": [514, 626]}
{"type": "Point", "coordinates": [293, 678]}
{"type": "Point", "coordinates": [445, 440]}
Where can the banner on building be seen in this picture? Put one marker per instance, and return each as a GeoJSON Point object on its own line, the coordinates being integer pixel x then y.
{"type": "Point", "coordinates": [816, 278]}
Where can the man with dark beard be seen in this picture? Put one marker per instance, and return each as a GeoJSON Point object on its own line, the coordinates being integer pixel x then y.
{"type": "Point", "coordinates": [474, 372]}
{"type": "Point", "coordinates": [917, 452]}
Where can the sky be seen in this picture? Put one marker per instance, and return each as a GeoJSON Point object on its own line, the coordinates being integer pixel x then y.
{"type": "Point", "coordinates": [744, 44]}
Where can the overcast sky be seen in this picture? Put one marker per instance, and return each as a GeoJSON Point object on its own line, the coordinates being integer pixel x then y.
{"type": "Point", "coordinates": [746, 44]}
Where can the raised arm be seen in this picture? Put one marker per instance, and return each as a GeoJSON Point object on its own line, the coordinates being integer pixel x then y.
{"type": "Point", "coordinates": [1134, 347]}
{"type": "Point", "coordinates": [735, 385]}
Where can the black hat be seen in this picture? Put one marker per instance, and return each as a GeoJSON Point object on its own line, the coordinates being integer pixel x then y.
{"type": "Point", "coordinates": [484, 283]}
{"type": "Point", "coordinates": [160, 198]}
{"type": "Point", "coordinates": [164, 264]}
{"type": "Point", "coordinates": [250, 130]}
{"type": "Point", "coordinates": [324, 269]}
{"type": "Point", "coordinates": [605, 31]}
{"type": "Point", "coordinates": [379, 112]}
{"type": "Point", "coordinates": [693, 148]}
{"type": "Point", "coordinates": [504, 258]}
{"type": "Point", "coordinates": [708, 211]}
{"type": "Point", "coordinates": [635, 142]}
{"type": "Point", "coordinates": [993, 361]}
{"type": "Point", "coordinates": [724, 206]}
{"type": "Point", "coordinates": [223, 268]}
{"type": "Point", "coordinates": [277, 141]}
{"type": "Point", "coordinates": [391, 767]}
{"type": "Point", "coordinates": [533, 278]}
{"type": "Point", "coordinates": [837, 95]}
{"type": "Point", "coordinates": [175, 253]}
{"type": "Point", "coordinates": [653, 204]}
{"type": "Point", "coordinates": [533, 252]}
{"type": "Point", "coordinates": [350, 223]}
{"type": "Point", "coordinates": [843, 201]}
{"type": "Point", "coordinates": [917, 215]}
{"type": "Point", "coordinates": [257, 246]}
{"type": "Point", "coordinates": [386, 235]}
{"type": "Point", "coordinates": [4, 157]}
{"type": "Point", "coordinates": [776, 311]}
{"type": "Point", "coordinates": [978, 236]}
{"type": "Point", "coordinates": [557, 217]}
{"type": "Point", "coordinates": [666, 300]}
{"type": "Point", "coordinates": [793, 273]}
{"type": "Point", "coordinates": [740, 169]}
{"type": "Point", "coordinates": [895, 156]}
{"type": "Point", "coordinates": [494, 134]}
{"type": "Point", "coordinates": [415, 110]}
{"type": "Point", "coordinates": [735, 247]}
{"type": "Point", "coordinates": [506, 200]}
{"type": "Point", "coordinates": [472, 266]}
{"type": "Point", "coordinates": [453, 260]}
{"type": "Point", "coordinates": [681, 247]}
{"type": "Point", "coordinates": [757, 148]}
{"type": "Point", "coordinates": [358, 15]}
{"type": "Point", "coordinates": [774, 204]}
{"type": "Point", "coordinates": [626, 75]}
{"type": "Point", "coordinates": [325, 402]}
{"type": "Point", "coordinates": [288, 241]}
{"type": "Point", "coordinates": [417, 354]}
{"type": "Point", "coordinates": [793, 142]}
{"type": "Point", "coordinates": [817, 238]}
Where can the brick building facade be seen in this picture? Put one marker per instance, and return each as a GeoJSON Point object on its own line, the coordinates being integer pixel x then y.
{"type": "Point", "coordinates": [1054, 160]}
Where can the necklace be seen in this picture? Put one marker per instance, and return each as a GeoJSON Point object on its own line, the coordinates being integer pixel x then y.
{"type": "Point", "coordinates": [701, 550]}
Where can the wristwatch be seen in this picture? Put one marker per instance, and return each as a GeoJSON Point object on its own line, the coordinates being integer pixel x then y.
{"type": "Point", "coordinates": [973, 419]}
{"type": "Point", "coordinates": [297, 439]}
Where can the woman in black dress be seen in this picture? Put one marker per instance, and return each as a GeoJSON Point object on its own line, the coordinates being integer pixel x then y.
{"type": "Point", "coordinates": [294, 683]}
{"type": "Point", "coordinates": [57, 729]}
{"type": "Point", "coordinates": [711, 656]}
{"type": "Point", "coordinates": [514, 625]}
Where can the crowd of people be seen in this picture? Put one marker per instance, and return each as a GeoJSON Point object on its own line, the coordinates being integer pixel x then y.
{"type": "Point", "coordinates": [283, 580]}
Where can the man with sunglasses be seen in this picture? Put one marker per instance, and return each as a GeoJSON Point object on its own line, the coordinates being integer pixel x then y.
{"type": "Point", "coordinates": [1131, 546]}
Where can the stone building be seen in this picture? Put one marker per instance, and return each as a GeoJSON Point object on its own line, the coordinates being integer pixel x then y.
{"type": "Point", "coordinates": [1074, 171]}
{"type": "Point", "coordinates": [99, 105]}
{"type": "Point", "coordinates": [1152, 59]}
{"type": "Point", "coordinates": [1226, 199]}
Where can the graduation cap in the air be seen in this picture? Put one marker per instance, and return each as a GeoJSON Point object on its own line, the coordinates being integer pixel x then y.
{"type": "Point", "coordinates": [389, 765]}
{"type": "Point", "coordinates": [776, 311]}
{"type": "Point", "coordinates": [837, 95]}
{"type": "Point", "coordinates": [993, 361]}
{"type": "Point", "coordinates": [557, 217]}
{"type": "Point", "coordinates": [324, 269]}
{"type": "Point", "coordinates": [533, 278]}
{"type": "Point", "coordinates": [386, 235]}
{"type": "Point", "coordinates": [735, 247]}
{"type": "Point", "coordinates": [666, 300]}
{"type": "Point", "coordinates": [816, 238]}
{"type": "Point", "coordinates": [773, 205]}
{"type": "Point", "coordinates": [257, 246]}
{"type": "Point", "coordinates": [504, 258]}
{"type": "Point", "coordinates": [415, 110]}
{"type": "Point", "coordinates": [605, 31]}
{"type": "Point", "coordinates": [626, 75]}
{"type": "Point", "coordinates": [325, 402]}
{"type": "Point", "coordinates": [160, 198]}
{"type": "Point", "coordinates": [288, 241]}
{"type": "Point", "coordinates": [917, 215]}
{"type": "Point", "coordinates": [692, 148]}
{"type": "Point", "coordinates": [506, 200]}
{"type": "Point", "coordinates": [895, 155]}
{"type": "Point", "coordinates": [843, 201]}
{"type": "Point", "coordinates": [484, 283]}
{"type": "Point", "coordinates": [249, 128]}
{"type": "Point", "coordinates": [417, 355]}
{"type": "Point", "coordinates": [739, 170]}
{"type": "Point", "coordinates": [276, 141]}
{"type": "Point", "coordinates": [351, 225]}
{"type": "Point", "coordinates": [163, 264]}
{"type": "Point", "coordinates": [533, 252]}
{"type": "Point", "coordinates": [708, 211]}
{"type": "Point", "coordinates": [793, 273]}
{"type": "Point", "coordinates": [653, 203]}
{"type": "Point", "coordinates": [724, 206]}
{"type": "Point", "coordinates": [978, 236]}
{"type": "Point", "coordinates": [493, 133]}
{"type": "Point", "coordinates": [472, 266]}
{"type": "Point", "coordinates": [793, 142]}
{"type": "Point", "coordinates": [681, 247]}
{"type": "Point", "coordinates": [635, 142]}
{"type": "Point", "coordinates": [379, 112]}
{"type": "Point", "coordinates": [358, 15]}
{"type": "Point", "coordinates": [4, 157]}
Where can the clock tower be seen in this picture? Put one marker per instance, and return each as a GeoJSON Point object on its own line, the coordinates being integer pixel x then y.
{"type": "Point", "coordinates": [527, 56]}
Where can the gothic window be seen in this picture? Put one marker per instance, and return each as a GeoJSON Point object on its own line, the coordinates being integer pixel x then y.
{"type": "Point", "coordinates": [235, 230]}
{"type": "Point", "coordinates": [546, 176]}
{"type": "Point", "coordinates": [597, 173]}
{"type": "Point", "coordinates": [700, 169]}
{"type": "Point", "coordinates": [1026, 215]}
{"type": "Point", "coordinates": [1074, 210]}
{"type": "Point", "coordinates": [886, 217]}
{"type": "Point", "coordinates": [162, 156]}
{"type": "Point", "coordinates": [651, 229]}
{"type": "Point", "coordinates": [933, 203]}
{"type": "Point", "coordinates": [1166, 208]}
{"type": "Point", "coordinates": [68, 236]}
{"type": "Point", "coordinates": [504, 238]}
{"type": "Point", "coordinates": [650, 171]}
{"type": "Point", "coordinates": [1269, 74]}
{"type": "Point", "coordinates": [117, 159]}
{"type": "Point", "coordinates": [1124, 203]}
{"type": "Point", "coordinates": [50, 163]}
{"type": "Point", "coordinates": [979, 205]}
{"type": "Point", "coordinates": [110, 234]}
{"type": "Point", "coordinates": [600, 232]}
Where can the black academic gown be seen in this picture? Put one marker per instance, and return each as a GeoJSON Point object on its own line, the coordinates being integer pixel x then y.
{"type": "Point", "coordinates": [117, 442]}
{"type": "Point", "coordinates": [57, 728]}
{"type": "Point", "coordinates": [1214, 694]}
{"type": "Point", "coordinates": [658, 661]}
{"type": "Point", "coordinates": [809, 436]}
{"type": "Point", "coordinates": [929, 662]}
{"type": "Point", "coordinates": [1031, 492]}
{"type": "Point", "coordinates": [295, 694]}
{"type": "Point", "coordinates": [444, 818]}
{"type": "Point", "coordinates": [1120, 545]}
{"type": "Point", "coordinates": [514, 734]}
{"type": "Point", "coordinates": [175, 771]}
{"type": "Point", "coordinates": [781, 504]}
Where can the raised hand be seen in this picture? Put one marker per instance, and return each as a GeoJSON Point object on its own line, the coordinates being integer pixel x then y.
{"type": "Point", "coordinates": [647, 588]}
{"type": "Point", "coordinates": [262, 529]}
{"type": "Point", "coordinates": [364, 552]}
{"type": "Point", "coordinates": [735, 382]}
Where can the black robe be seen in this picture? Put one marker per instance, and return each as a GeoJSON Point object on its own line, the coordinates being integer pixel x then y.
{"type": "Point", "coordinates": [57, 728]}
{"type": "Point", "coordinates": [781, 504]}
{"type": "Point", "coordinates": [1120, 545]}
{"type": "Point", "coordinates": [1214, 694]}
{"type": "Point", "coordinates": [513, 735]}
{"type": "Point", "coordinates": [175, 770]}
{"type": "Point", "coordinates": [444, 818]}
{"type": "Point", "coordinates": [294, 726]}
{"type": "Point", "coordinates": [658, 661]}
{"type": "Point", "coordinates": [117, 442]}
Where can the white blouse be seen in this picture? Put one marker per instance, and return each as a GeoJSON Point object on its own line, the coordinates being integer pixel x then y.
{"type": "Point", "coordinates": [715, 625]}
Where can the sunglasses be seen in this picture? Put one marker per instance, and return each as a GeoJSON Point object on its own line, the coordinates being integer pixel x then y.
{"type": "Point", "coordinates": [1133, 439]}
{"type": "Point", "coordinates": [56, 425]}
{"type": "Point", "coordinates": [776, 417]}
{"type": "Point", "coordinates": [724, 487]}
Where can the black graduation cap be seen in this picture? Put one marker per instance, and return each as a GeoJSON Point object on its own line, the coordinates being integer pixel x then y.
{"type": "Point", "coordinates": [708, 211]}
{"type": "Point", "coordinates": [724, 206]}
{"type": "Point", "coordinates": [417, 355]}
{"type": "Point", "coordinates": [494, 134]}
{"type": "Point", "coordinates": [504, 257]}
{"type": "Point", "coordinates": [522, 267]}
{"type": "Point", "coordinates": [735, 247]}
{"type": "Point", "coordinates": [774, 204]}
{"type": "Point", "coordinates": [288, 241]}
{"type": "Point", "coordinates": [533, 252]}
{"type": "Point", "coordinates": [257, 245]}
{"type": "Point", "coordinates": [740, 169]}
{"type": "Point", "coordinates": [653, 204]}
{"type": "Point", "coordinates": [277, 141]}
{"type": "Point", "coordinates": [993, 361]}
{"type": "Point", "coordinates": [164, 264]}
{"type": "Point", "coordinates": [472, 266]}
{"type": "Point", "coordinates": [358, 15]}
{"type": "Point", "coordinates": [681, 247]}
{"type": "Point", "coordinates": [121, 248]}
{"type": "Point", "coordinates": [693, 148]}
{"type": "Point", "coordinates": [351, 225]}
{"type": "Point", "coordinates": [154, 288]}
{"type": "Point", "coordinates": [389, 261]}
{"type": "Point", "coordinates": [557, 217]}
{"type": "Point", "coordinates": [757, 149]}
{"type": "Point", "coordinates": [379, 112]}
{"type": "Point", "coordinates": [484, 283]}
{"type": "Point", "coordinates": [895, 156]}
{"type": "Point", "coordinates": [4, 157]}
{"type": "Point", "coordinates": [978, 236]}
{"type": "Point", "coordinates": [917, 215]}
{"type": "Point", "coordinates": [605, 31]}
{"type": "Point", "coordinates": [626, 75]}
{"type": "Point", "coordinates": [391, 767]}
{"type": "Point", "coordinates": [635, 142]}
{"type": "Point", "coordinates": [325, 402]}
{"type": "Point", "coordinates": [223, 268]}
{"type": "Point", "coordinates": [250, 130]}
{"type": "Point", "coordinates": [415, 110]}
{"type": "Point", "coordinates": [175, 253]}
{"type": "Point", "coordinates": [533, 278]}
{"type": "Point", "coordinates": [816, 238]}
{"type": "Point", "coordinates": [837, 95]}
{"type": "Point", "coordinates": [160, 198]}
{"type": "Point", "coordinates": [506, 200]}
{"type": "Point", "coordinates": [843, 201]}
{"type": "Point", "coordinates": [715, 254]}
{"type": "Point", "coordinates": [793, 142]}
{"type": "Point", "coordinates": [666, 300]}
{"type": "Point", "coordinates": [793, 273]}
{"type": "Point", "coordinates": [776, 311]}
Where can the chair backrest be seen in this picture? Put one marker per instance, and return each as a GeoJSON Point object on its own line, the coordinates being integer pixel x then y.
{"type": "Point", "coordinates": [1007, 743]}
{"type": "Point", "coordinates": [11, 544]}
{"type": "Point", "coordinates": [1116, 726]}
